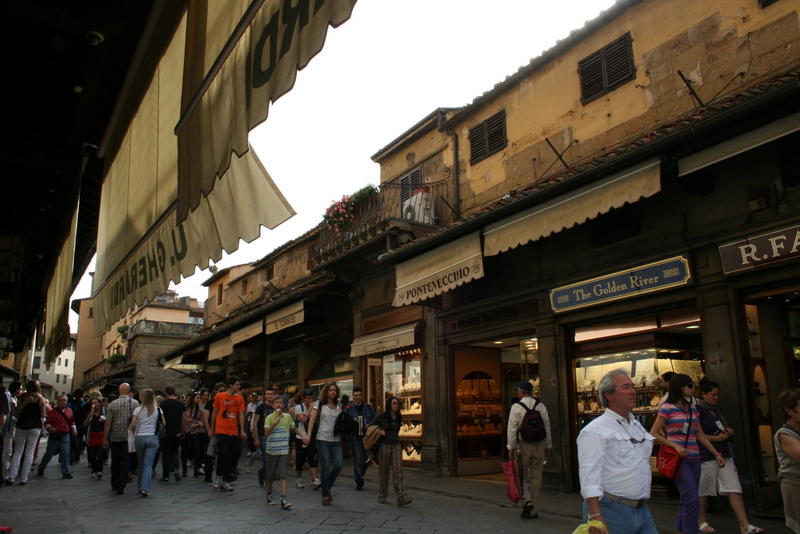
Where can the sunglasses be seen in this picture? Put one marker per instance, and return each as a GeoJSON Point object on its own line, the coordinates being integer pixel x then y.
{"type": "Point", "coordinates": [690, 386]}
{"type": "Point", "coordinates": [632, 439]}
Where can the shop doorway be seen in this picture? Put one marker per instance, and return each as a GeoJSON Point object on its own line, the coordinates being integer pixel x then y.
{"type": "Point", "coordinates": [486, 375]}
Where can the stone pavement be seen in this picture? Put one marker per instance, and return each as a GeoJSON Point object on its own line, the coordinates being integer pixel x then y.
{"type": "Point", "coordinates": [442, 506]}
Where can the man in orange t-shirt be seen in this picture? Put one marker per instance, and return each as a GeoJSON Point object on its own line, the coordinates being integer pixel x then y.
{"type": "Point", "coordinates": [227, 425]}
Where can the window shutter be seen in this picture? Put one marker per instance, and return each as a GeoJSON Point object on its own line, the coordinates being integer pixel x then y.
{"type": "Point", "coordinates": [410, 183]}
{"type": "Point", "coordinates": [619, 62]}
{"type": "Point", "coordinates": [606, 69]}
{"type": "Point", "coordinates": [488, 137]}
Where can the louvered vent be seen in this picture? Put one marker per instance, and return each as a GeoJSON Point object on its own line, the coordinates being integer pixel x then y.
{"type": "Point", "coordinates": [606, 69]}
{"type": "Point", "coordinates": [488, 137]}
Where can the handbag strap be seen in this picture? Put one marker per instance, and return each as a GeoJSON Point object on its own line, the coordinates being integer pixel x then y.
{"type": "Point", "coordinates": [69, 427]}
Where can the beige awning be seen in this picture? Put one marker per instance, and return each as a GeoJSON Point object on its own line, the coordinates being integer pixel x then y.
{"type": "Point", "coordinates": [248, 332]}
{"type": "Point", "coordinates": [219, 349]}
{"type": "Point", "coordinates": [575, 207]}
{"type": "Point", "coordinates": [737, 145]}
{"type": "Point", "coordinates": [284, 318]}
{"type": "Point", "coordinates": [281, 39]}
{"type": "Point", "coordinates": [183, 188]}
{"type": "Point", "coordinates": [438, 271]}
{"type": "Point", "coordinates": [384, 341]}
{"type": "Point", "coordinates": [58, 292]}
{"type": "Point", "coordinates": [173, 362]}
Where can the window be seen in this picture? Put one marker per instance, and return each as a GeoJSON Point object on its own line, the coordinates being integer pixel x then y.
{"type": "Point", "coordinates": [37, 362]}
{"type": "Point", "coordinates": [91, 312]}
{"type": "Point", "coordinates": [59, 361]}
{"type": "Point", "coordinates": [57, 377]}
{"type": "Point", "coordinates": [409, 183]}
{"type": "Point", "coordinates": [244, 287]}
{"type": "Point", "coordinates": [487, 137]}
{"type": "Point", "coordinates": [66, 362]}
{"type": "Point", "coordinates": [219, 295]}
{"type": "Point", "coordinates": [606, 69]}
{"type": "Point", "coordinates": [270, 271]}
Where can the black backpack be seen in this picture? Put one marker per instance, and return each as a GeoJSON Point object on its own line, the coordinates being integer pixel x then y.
{"type": "Point", "coordinates": [345, 427]}
{"type": "Point", "coordinates": [532, 429]}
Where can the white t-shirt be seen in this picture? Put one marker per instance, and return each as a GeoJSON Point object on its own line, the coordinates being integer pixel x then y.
{"type": "Point", "coordinates": [326, 419]}
{"type": "Point", "coordinates": [146, 424]}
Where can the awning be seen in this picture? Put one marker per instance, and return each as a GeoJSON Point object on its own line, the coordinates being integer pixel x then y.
{"type": "Point", "coordinates": [57, 314]}
{"type": "Point", "coordinates": [384, 341]}
{"type": "Point", "coordinates": [575, 207]}
{"type": "Point", "coordinates": [284, 318]}
{"type": "Point", "coordinates": [159, 217]}
{"type": "Point", "coordinates": [737, 145]}
{"type": "Point", "coordinates": [173, 362]}
{"type": "Point", "coordinates": [248, 332]}
{"type": "Point", "coordinates": [438, 271]}
{"type": "Point", "coordinates": [219, 349]}
{"type": "Point", "coordinates": [238, 81]}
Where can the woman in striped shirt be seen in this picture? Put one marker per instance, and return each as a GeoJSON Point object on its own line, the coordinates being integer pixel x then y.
{"type": "Point", "coordinates": [679, 417]}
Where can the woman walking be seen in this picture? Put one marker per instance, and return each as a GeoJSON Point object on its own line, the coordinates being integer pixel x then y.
{"type": "Point", "coordinates": [31, 410]}
{"type": "Point", "coordinates": [95, 424]}
{"type": "Point", "coordinates": [713, 478]}
{"type": "Point", "coordinates": [390, 455]}
{"type": "Point", "coordinates": [680, 418]}
{"type": "Point", "coordinates": [145, 421]}
{"type": "Point", "coordinates": [787, 449]}
{"type": "Point", "coordinates": [193, 434]}
{"type": "Point", "coordinates": [324, 413]}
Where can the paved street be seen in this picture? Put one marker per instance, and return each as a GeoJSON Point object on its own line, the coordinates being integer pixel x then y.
{"type": "Point", "coordinates": [51, 504]}
{"type": "Point", "coordinates": [85, 505]}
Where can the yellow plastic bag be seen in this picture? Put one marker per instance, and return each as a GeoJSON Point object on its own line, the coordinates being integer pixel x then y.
{"type": "Point", "coordinates": [584, 529]}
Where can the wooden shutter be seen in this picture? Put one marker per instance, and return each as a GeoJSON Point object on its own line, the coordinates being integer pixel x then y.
{"type": "Point", "coordinates": [410, 183]}
{"type": "Point", "coordinates": [488, 137]}
{"type": "Point", "coordinates": [606, 69]}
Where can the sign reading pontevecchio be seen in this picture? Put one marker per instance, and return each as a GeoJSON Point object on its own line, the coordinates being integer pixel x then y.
{"type": "Point", "coordinates": [641, 280]}
{"type": "Point", "coordinates": [761, 250]}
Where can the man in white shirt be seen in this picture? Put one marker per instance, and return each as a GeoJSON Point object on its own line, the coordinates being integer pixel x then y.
{"type": "Point", "coordinates": [531, 454]}
{"type": "Point", "coordinates": [614, 462]}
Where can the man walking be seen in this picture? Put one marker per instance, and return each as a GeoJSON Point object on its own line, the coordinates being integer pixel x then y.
{"type": "Point", "coordinates": [227, 425]}
{"type": "Point", "coordinates": [529, 437]}
{"type": "Point", "coordinates": [362, 413]}
{"type": "Point", "coordinates": [60, 424]}
{"type": "Point", "coordinates": [257, 430]}
{"type": "Point", "coordinates": [118, 421]}
{"type": "Point", "coordinates": [614, 462]}
{"type": "Point", "coordinates": [173, 409]}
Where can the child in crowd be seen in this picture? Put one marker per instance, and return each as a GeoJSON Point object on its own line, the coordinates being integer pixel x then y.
{"type": "Point", "coordinates": [277, 429]}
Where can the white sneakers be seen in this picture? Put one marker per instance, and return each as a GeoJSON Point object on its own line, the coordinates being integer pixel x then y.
{"type": "Point", "coordinates": [217, 480]}
{"type": "Point", "coordinates": [299, 483]}
{"type": "Point", "coordinates": [316, 484]}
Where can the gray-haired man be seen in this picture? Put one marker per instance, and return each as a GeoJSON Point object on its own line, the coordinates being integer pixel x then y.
{"type": "Point", "coordinates": [614, 462]}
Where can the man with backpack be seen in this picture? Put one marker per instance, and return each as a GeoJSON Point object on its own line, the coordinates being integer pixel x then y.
{"type": "Point", "coordinates": [529, 437]}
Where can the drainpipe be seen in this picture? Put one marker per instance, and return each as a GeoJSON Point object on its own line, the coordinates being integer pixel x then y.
{"type": "Point", "coordinates": [456, 170]}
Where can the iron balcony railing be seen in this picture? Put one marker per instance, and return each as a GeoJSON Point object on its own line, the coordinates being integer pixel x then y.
{"type": "Point", "coordinates": [429, 204]}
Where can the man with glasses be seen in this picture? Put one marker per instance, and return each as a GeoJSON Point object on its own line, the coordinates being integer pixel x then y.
{"type": "Point", "coordinates": [614, 462]}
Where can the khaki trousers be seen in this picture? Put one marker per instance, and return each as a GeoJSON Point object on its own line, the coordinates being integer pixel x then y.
{"type": "Point", "coordinates": [531, 458]}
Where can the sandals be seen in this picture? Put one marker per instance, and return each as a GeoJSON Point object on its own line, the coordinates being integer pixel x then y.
{"type": "Point", "coordinates": [705, 527]}
{"type": "Point", "coordinates": [753, 530]}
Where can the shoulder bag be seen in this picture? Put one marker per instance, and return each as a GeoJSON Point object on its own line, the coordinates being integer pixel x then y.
{"type": "Point", "coordinates": [668, 461]}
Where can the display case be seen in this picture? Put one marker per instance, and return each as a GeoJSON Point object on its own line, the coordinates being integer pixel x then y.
{"type": "Point", "coordinates": [759, 393]}
{"type": "Point", "coordinates": [402, 378]}
{"type": "Point", "coordinates": [479, 420]}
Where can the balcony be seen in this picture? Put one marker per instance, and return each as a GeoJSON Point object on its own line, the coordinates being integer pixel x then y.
{"type": "Point", "coordinates": [417, 212]}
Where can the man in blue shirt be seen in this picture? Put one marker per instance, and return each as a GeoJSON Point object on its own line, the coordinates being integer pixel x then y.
{"type": "Point", "coordinates": [363, 413]}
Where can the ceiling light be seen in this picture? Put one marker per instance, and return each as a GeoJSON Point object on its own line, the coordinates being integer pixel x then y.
{"type": "Point", "coordinates": [692, 326]}
{"type": "Point", "coordinates": [498, 342]}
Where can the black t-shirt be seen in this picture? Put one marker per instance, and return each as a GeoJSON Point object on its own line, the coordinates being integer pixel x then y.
{"type": "Point", "coordinates": [173, 415]}
{"type": "Point", "coordinates": [262, 412]}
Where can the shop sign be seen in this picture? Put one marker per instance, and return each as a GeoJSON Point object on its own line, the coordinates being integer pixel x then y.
{"type": "Point", "coordinates": [760, 250]}
{"type": "Point", "coordinates": [650, 278]}
{"type": "Point", "coordinates": [502, 314]}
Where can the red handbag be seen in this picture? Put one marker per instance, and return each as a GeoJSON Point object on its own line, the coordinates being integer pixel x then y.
{"type": "Point", "coordinates": [669, 462]}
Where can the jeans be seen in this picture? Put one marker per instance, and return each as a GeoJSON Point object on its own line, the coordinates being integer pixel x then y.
{"type": "Point", "coordinates": [330, 458]}
{"type": "Point", "coordinates": [262, 445]}
{"type": "Point", "coordinates": [25, 442]}
{"type": "Point", "coordinates": [95, 456]}
{"type": "Point", "coordinates": [229, 448]}
{"type": "Point", "coordinates": [623, 519]}
{"type": "Point", "coordinates": [53, 446]}
{"type": "Point", "coordinates": [146, 447]}
{"type": "Point", "coordinates": [689, 508]}
{"type": "Point", "coordinates": [359, 459]}
{"type": "Point", "coordinates": [120, 462]}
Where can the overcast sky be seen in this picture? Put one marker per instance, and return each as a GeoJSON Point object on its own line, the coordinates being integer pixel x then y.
{"type": "Point", "coordinates": [390, 65]}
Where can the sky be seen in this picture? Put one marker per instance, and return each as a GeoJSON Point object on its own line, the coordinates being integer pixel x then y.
{"type": "Point", "coordinates": [390, 65]}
